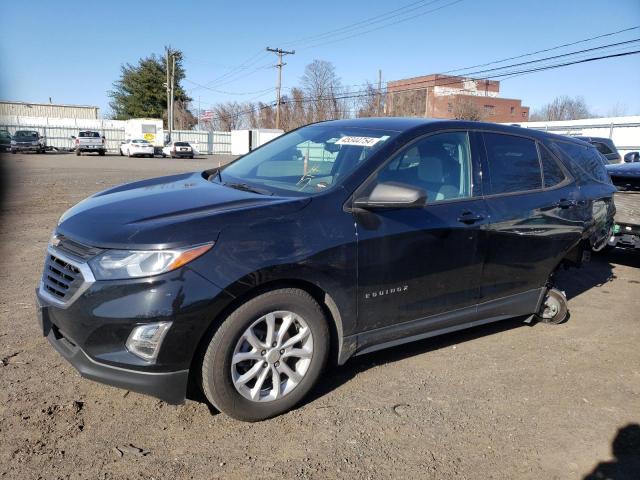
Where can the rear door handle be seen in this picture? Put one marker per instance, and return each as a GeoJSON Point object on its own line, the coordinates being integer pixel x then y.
{"type": "Point", "coordinates": [468, 217]}
{"type": "Point", "coordinates": [566, 203]}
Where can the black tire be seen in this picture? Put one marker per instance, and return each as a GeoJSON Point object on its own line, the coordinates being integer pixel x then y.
{"type": "Point", "coordinates": [102, 153]}
{"type": "Point", "coordinates": [217, 383]}
{"type": "Point", "coordinates": [78, 152]}
{"type": "Point", "coordinates": [164, 156]}
{"type": "Point", "coordinates": [121, 154]}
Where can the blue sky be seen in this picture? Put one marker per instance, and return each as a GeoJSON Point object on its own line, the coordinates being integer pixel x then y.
{"type": "Point", "coordinates": [48, 49]}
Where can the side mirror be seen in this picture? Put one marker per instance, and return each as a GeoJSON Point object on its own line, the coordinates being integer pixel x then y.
{"type": "Point", "coordinates": [632, 157]}
{"type": "Point", "coordinates": [392, 195]}
{"type": "Point", "coordinates": [73, 136]}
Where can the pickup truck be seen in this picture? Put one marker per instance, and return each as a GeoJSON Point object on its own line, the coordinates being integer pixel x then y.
{"type": "Point", "coordinates": [28, 141]}
{"type": "Point", "coordinates": [89, 141]}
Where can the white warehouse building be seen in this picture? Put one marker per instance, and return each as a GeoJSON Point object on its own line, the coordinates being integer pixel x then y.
{"type": "Point", "coordinates": [49, 110]}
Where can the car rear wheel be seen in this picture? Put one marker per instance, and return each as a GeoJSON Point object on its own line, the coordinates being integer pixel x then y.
{"type": "Point", "coordinates": [266, 355]}
{"type": "Point", "coordinates": [78, 152]}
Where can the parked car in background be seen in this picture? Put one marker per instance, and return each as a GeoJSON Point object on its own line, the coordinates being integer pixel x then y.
{"type": "Point", "coordinates": [28, 141]}
{"type": "Point", "coordinates": [137, 148]}
{"type": "Point", "coordinates": [605, 146]}
{"type": "Point", "coordinates": [626, 230]}
{"type": "Point", "coordinates": [247, 279]}
{"type": "Point", "coordinates": [178, 150]}
{"type": "Point", "coordinates": [89, 141]}
{"type": "Point", "coordinates": [5, 140]}
{"type": "Point", "coordinates": [632, 157]}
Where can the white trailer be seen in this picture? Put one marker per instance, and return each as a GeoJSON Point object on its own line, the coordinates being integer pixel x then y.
{"type": "Point", "coordinates": [149, 129]}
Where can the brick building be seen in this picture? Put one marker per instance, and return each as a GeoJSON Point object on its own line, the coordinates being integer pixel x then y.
{"type": "Point", "coordinates": [445, 96]}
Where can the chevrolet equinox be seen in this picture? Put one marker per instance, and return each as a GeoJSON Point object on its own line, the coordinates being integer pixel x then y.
{"type": "Point", "coordinates": [336, 239]}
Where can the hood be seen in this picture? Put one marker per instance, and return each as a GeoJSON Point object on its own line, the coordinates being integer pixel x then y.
{"type": "Point", "coordinates": [624, 169]}
{"type": "Point", "coordinates": [168, 212]}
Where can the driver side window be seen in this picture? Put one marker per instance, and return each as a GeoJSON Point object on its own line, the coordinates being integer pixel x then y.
{"type": "Point", "coordinates": [440, 164]}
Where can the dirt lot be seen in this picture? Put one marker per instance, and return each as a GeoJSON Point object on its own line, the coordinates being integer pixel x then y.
{"type": "Point", "coordinates": [499, 401]}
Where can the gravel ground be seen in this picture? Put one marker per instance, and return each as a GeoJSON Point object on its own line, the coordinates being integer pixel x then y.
{"type": "Point", "coordinates": [500, 401]}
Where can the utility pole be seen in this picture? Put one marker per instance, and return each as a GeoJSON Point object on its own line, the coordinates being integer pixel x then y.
{"type": "Point", "coordinates": [173, 81]}
{"type": "Point", "coordinates": [379, 92]}
{"type": "Point", "coordinates": [167, 83]}
{"type": "Point", "coordinates": [280, 53]}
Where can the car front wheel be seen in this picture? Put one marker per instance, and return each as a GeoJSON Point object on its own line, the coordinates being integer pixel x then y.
{"type": "Point", "coordinates": [266, 356]}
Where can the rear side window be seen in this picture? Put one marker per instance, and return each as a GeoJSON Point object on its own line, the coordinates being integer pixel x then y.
{"type": "Point", "coordinates": [552, 174]}
{"type": "Point", "coordinates": [513, 164]}
{"type": "Point", "coordinates": [587, 161]}
{"type": "Point", "coordinates": [181, 144]}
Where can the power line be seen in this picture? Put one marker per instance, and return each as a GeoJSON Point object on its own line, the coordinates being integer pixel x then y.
{"type": "Point", "coordinates": [232, 75]}
{"type": "Point", "coordinates": [506, 74]}
{"type": "Point", "coordinates": [557, 47]}
{"type": "Point", "coordinates": [496, 69]}
{"type": "Point", "coordinates": [383, 26]}
{"type": "Point", "coordinates": [365, 22]}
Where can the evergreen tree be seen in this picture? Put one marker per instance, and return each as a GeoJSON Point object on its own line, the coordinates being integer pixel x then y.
{"type": "Point", "coordinates": [140, 91]}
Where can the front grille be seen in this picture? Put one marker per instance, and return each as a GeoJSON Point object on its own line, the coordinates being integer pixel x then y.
{"type": "Point", "coordinates": [60, 279]}
{"type": "Point", "coordinates": [76, 249]}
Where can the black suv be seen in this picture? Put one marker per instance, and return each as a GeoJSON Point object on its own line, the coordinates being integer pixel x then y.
{"type": "Point", "coordinates": [605, 146]}
{"type": "Point", "coordinates": [334, 240]}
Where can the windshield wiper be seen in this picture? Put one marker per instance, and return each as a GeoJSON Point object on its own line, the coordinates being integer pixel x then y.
{"type": "Point", "coordinates": [247, 188]}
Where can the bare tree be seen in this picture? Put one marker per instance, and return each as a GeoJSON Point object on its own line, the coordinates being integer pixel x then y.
{"type": "Point", "coordinates": [463, 109]}
{"type": "Point", "coordinates": [618, 110]}
{"type": "Point", "coordinates": [321, 85]}
{"type": "Point", "coordinates": [367, 105]}
{"type": "Point", "coordinates": [229, 116]}
{"type": "Point", "coordinates": [562, 108]}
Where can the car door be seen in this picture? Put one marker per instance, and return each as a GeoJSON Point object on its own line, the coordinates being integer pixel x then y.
{"type": "Point", "coordinates": [532, 202]}
{"type": "Point", "coordinates": [414, 263]}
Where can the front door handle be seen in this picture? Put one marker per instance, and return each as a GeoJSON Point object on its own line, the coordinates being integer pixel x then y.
{"type": "Point", "coordinates": [468, 217]}
{"type": "Point", "coordinates": [566, 203]}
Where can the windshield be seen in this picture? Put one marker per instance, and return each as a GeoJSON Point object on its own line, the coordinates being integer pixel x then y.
{"type": "Point", "coordinates": [89, 134]}
{"type": "Point", "coordinates": [25, 134]}
{"type": "Point", "coordinates": [306, 161]}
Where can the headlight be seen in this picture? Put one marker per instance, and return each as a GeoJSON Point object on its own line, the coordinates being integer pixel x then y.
{"type": "Point", "coordinates": [34, 143]}
{"type": "Point", "coordinates": [122, 264]}
{"type": "Point", "coordinates": [13, 142]}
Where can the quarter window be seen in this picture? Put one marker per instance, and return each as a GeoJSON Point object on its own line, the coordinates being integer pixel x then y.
{"type": "Point", "coordinates": [587, 160]}
{"type": "Point", "coordinates": [552, 174]}
{"type": "Point", "coordinates": [513, 164]}
{"type": "Point", "coordinates": [602, 148]}
{"type": "Point", "coordinates": [439, 164]}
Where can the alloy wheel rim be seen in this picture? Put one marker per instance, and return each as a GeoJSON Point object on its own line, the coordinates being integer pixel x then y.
{"type": "Point", "coordinates": [272, 356]}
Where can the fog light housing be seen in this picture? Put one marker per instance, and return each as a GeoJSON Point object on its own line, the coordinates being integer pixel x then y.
{"type": "Point", "coordinates": [145, 340]}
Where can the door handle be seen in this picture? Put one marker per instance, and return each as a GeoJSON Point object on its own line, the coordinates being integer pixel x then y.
{"type": "Point", "coordinates": [566, 203]}
{"type": "Point", "coordinates": [469, 217]}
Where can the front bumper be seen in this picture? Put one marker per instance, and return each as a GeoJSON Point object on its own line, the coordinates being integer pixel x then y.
{"type": "Point", "coordinates": [91, 331]}
{"type": "Point", "coordinates": [168, 386]}
{"type": "Point", "coordinates": [27, 148]}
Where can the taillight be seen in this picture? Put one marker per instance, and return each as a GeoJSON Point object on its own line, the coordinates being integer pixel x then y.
{"type": "Point", "coordinates": [103, 141]}
{"type": "Point", "coordinates": [77, 141]}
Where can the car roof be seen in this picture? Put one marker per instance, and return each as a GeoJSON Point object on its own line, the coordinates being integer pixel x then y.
{"type": "Point", "coordinates": [406, 124]}
{"type": "Point", "coordinates": [594, 139]}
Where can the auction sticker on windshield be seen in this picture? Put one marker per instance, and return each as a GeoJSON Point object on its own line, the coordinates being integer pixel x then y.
{"type": "Point", "coordinates": [359, 141]}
